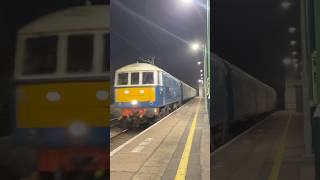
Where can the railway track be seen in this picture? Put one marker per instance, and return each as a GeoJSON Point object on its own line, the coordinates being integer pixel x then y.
{"type": "Point", "coordinates": [120, 137]}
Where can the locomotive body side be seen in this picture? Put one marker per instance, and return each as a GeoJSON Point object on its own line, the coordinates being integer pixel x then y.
{"type": "Point", "coordinates": [144, 91]}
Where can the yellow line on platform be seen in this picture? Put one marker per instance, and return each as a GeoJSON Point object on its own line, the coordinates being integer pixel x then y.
{"type": "Point", "coordinates": [277, 162]}
{"type": "Point", "coordinates": [183, 165]}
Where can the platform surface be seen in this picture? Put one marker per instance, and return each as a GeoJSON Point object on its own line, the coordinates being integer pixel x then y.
{"type": "Point", "coordinates": [161, 152]}
{"type": "Point", "coordinates": [272, 149]}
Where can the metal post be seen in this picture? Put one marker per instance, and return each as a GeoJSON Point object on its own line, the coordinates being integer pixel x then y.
{"type": "Point", "coordinates": [305, 77]}
{"type": "Point", "coordinates": [316, 120]}
{"type": "Point", "coordinates": [317, 40]}
{"type": "Point", "coordinates": [208, 61]}
{"type": "Point", "coordinates": [205, 74]}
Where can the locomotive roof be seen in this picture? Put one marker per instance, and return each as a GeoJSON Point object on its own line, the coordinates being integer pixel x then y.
{"type": "Point", "coordinates": [235, 68]}
{"type": "Point", "coordinates": [139, 67]}
{"type": "Point", "coordinates": [81, 18]}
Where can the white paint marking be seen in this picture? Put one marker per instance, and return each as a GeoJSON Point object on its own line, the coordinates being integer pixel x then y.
{"type": "Point", "coordinates": [140, 147]}
{"type": "Point", "coordinates": [146, 142]}
{"type": "Point", "coordinates": [143, 132]}
{"type": "Point", "coordinates": [137, 149]}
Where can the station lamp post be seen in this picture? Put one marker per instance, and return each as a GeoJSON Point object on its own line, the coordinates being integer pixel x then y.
{"type": "Point", "coordinates": [206, 49]}
{"type": "Point", "coordinates": [195, 47]}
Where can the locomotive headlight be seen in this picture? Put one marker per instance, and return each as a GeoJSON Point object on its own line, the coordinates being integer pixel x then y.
{"type": "Point", "coordinates": [134, 102]}
{"type": "Point", "coordinates": [126, 91]}
{"type": "Point", "coordinates": [141, 91]}
{"type": "Point", "coordinates": [78, 129]}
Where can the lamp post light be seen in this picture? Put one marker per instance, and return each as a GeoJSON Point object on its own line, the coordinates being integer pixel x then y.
{"type": "Point", "coordinates": [186, 1]}
{"type": "Point", "coordinates": [286, 61]}
{"type": "Point", "coordinates": [293, 43]}
{"type": "Point", "coordinates": [195, 46]}
{"type": "Point", "coordinates": [285, 4]}
{"type": "Point", "coordinates": [294, 53]}
{"type": "Point", "coordinates": [292, 30]}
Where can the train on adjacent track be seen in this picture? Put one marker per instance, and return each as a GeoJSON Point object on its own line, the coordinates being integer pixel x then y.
{"type": "Point", "coordinates": [62, 90]}
{"type": "Point", "coordinates": [237, 97]}
{"type": "Point", "coordinates": [144, 93]}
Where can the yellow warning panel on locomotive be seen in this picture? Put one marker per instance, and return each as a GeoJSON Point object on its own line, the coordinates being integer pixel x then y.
{"type": "Point", "coordinates": [57, 105]}
{"type": "Point", "coordinates": [141, 94]}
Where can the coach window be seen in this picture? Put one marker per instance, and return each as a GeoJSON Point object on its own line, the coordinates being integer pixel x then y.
{"type": "Point", "coordinates": [80, 53]}
{"type": "Point", "coordinates": [106, 62]}
{"type": "Point", "coordinates": [147, 78]}
{"type": "Point", "coordinates": [135, 78]}
{"type": "Point", "coordinates": [122, 79]}
{"type": "Point", "coordinates": [40, 55]}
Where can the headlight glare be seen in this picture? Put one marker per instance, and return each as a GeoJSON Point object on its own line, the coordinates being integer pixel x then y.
{"type": "Point", "coordinates": [78, 129]}
{"type": "Point", "coordinates": [134, 102]}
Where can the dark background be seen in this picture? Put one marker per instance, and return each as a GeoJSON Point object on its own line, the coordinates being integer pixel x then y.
{"type": "Point", "coordinates": [160, 28]}
{"type": "Point", "coordinates": [253, 35]}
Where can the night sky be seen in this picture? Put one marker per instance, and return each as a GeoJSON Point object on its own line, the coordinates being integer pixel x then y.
{"type": "Point", "coordinates": [160, 28]}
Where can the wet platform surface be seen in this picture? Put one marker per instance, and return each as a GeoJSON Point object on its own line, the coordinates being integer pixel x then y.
{"type": "Point", "coordinates": [272, 149]}
{"type": "Point", "coordinates": [177, 146]}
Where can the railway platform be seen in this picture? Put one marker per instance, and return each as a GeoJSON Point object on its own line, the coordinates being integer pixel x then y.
{"type": "Point", "coordinates": [176, 147]}
{"type": "Point", "coordinates": [272, 149]}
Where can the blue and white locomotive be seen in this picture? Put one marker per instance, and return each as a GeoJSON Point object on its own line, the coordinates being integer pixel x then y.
{"type": "Point", "coordinates": [144, 91]}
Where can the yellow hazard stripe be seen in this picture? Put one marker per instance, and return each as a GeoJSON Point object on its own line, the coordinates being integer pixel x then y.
{"type": "Point", "coordinates": [183, 165]}
{"type": "Point", "coordinates": [280, 152]}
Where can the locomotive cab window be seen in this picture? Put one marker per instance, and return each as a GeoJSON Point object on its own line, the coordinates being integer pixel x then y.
{"type": "Point", "coordinates": [40, 55]}
{"type": "Point", "coordinates": [147, 78]}
{"type": "Point", "coordinates": [80, 53]}
{"type": "Point", "coordinates": [135, 78]}
{"type": "Point", "coordinates": [122, 79]}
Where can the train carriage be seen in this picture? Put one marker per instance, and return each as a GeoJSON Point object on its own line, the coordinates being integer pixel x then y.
{"type": "Point", "coordinates": [144, 91]}
{"type": "Point", "coordinates": [62, 90]}
{"type": "Point", "coordinates": [237, 97]}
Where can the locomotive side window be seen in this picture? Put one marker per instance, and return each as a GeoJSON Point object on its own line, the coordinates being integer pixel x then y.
{"type": "Point", "coordinates": [147, 78]}
{"type": "Point", "coordinates": [122, 79]}
{"type": "Point", "coordinates": [135, 78]}
{"type": "Point", "coordinates": [40, 55]}
{"type": "Point", "coordinates": [106, 65]}
{"type": "Point", "coordinates": [80, 53]}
